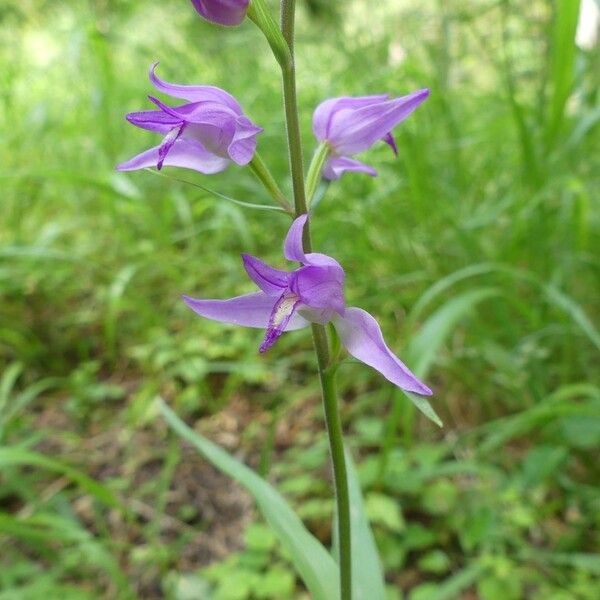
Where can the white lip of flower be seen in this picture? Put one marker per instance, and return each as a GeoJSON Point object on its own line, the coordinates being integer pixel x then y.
{"type": "Point", "coordinates": [284, 309]}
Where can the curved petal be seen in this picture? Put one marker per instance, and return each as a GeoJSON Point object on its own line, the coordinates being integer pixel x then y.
{"type": "Point", "coordinates": [361, 335]}
{"type": "Point", "coordinates": [250, 310]}
{"type": "Point", "coordinates": [323, 114]}
{"type": "Point", "coordinates": [292, 247]}
{"type": "Point", "coordinates": [320, 287]}
{"type": "Point", "coordinates": [243, 145]}
{"type": "Point", "coordinates": [194, 93]}
{"type": "Point", "coordinates": [185, 153]}
{"type": "Point", "coordinates": [270, 280]}
{"type": "Point", "coordinates": [203, 113]}
{"type": "Point", "coordinates": [353, 131]}
{"type": "Point", "coordinates": [337, 166]}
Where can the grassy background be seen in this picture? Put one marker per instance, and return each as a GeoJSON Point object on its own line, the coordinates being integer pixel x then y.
{"type": "Point", "coordinates": [477, 249]}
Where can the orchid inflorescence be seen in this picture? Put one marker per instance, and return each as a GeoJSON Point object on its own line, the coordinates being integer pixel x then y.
{"type": "Point", "coordinates": [208, 132]}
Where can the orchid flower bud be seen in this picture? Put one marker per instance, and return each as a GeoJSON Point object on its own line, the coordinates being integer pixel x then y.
{"type": "Point", "coordinates": [222, 12]}
{"type": "Point", "coordinates": [349, 125]}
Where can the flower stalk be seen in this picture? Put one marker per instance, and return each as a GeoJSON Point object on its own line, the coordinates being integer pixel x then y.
{"type": "Point", "coordinates": [321, 343]}
{"type": "Point", "coordinates": [314, 171]}
{"type": "Point", "coordinates": [260, 169]}
{"type": "Point", "coordinates": [259, 13]}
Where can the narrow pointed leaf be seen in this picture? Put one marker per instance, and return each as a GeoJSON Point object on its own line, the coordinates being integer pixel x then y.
{"type": "Point", "coordinates": [315, 565]}
{"type": "Point", "coordinates": [367, 574]}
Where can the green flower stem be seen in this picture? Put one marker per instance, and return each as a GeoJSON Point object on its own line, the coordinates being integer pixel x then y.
{"type": "Point", "coordinates": [259, 13]}
{"type": "Point", "coordinates": [314, 171]}
{"type": "Point", "coordinates": [260, 169]}
{"type": "Point", "coordinates": [321, 343]}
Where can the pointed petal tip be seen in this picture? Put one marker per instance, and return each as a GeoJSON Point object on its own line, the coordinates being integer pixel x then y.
{"type": "Point", "coordinates": [424, 93]}
{"type": "Point", "coordinates": [422, 390]}
{"type": "Point", "coordinates": [302, 219]}
{"type": "Point", "coordinates": [292, 246]}
{"type": "Point", "coordinates": [152, 72]}
{"type": "Point", "coordinates": [361, 335]}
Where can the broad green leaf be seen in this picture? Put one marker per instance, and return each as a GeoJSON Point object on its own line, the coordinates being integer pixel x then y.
{"type": "Point", "coordinates": [314, 564]}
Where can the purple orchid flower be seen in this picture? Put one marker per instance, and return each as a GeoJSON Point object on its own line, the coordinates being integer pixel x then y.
{"type": "Point", "coordinates": [223, 12]}
{"type": "Point", "coordinates": [205, 134]}
{"type": "Point", "coordinates": [313, 293]}
{"type": "Point", "coordinates": [349, 125]}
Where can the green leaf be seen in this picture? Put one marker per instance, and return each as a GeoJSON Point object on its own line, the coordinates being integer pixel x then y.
{"type": "Point", "coordinates": [562, 74]}
{"type": "Point", "coordinates": [314, 564]}
{"type": "Point", "coordinates": [425, 407]}
{"type": "Point", "coordinates": [426, 344]}
{"type": "Point", "coordinates": [367, 574]}
{"type": "Point", "coordinates": [217, 194]}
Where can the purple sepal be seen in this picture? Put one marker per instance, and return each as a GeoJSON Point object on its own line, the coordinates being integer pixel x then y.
{"type": "Point", "coordinates": [361, 336]}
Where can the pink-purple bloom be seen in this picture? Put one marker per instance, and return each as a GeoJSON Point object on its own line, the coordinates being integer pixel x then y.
{"type": "Point", "coordinates": [205, 134]}
{"type": "Point", "coordinates": [312, 293]}
{"type": "Point", "coordinates": [223, 12]}
{"type": "Point", "coordinates": [349, 125]}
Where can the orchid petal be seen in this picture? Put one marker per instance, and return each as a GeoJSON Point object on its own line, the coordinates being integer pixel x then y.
{"type": "Point", "coordinates": [270, 280]}
{"type": "Point", "coordinates": [250, 310]}
{"type": "Point", "coordinates": [293, 248]}
{"type": "Point", "coordinates": [194, 93]}
{"type": "Point", "coordinates": [320, 287]}
{"type": "Point", "coordinates": [243, 145]}
{"type": "Point", "coordinates": [323, 114]}
{"type": "Point", "coordinates": [361, 335]}
{"type": "Point", "coordinates": [217, 127]}
{"type": "Point", "coordinates": [280, 318]}
{"type": "Point", "coordinates": [185, 153]}
{"type": "Point", "coordinates": [337, 166]}
{"type": "Point", "coordinates": [167, 144]}
{"type": "Point", "coordinates": [153, 120]}
{"type": "Point", "coordinates": [202, 113]}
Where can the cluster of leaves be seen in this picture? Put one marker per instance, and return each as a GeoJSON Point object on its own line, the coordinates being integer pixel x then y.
{"type": "Point", "coordinates": [483, 239]}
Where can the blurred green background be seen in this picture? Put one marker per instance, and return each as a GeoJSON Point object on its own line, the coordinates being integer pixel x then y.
{"type": "Point", "coordinates": [477, 249]}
